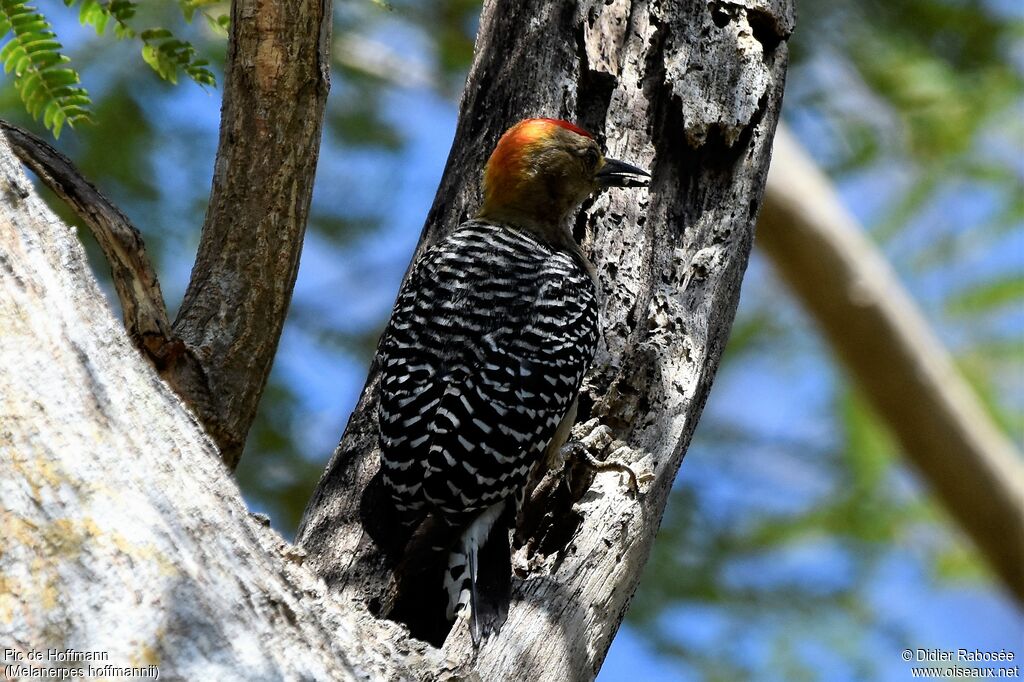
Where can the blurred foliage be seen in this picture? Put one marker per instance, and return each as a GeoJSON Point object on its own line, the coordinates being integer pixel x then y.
{"type": "Point", "coordinates": [50, 88]}
{"type": "Point", "coordinates": [782, 521]}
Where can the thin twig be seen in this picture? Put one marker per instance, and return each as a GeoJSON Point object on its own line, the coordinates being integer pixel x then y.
{"type": "Point", "coordinates": [135, 281]}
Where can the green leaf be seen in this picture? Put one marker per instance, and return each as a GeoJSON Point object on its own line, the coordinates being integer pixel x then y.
{"type": "Point", "coordinates": [94, 14]}
{"type": "Point", "coordinates": [988, 296]}
{"type": "Point", "coordinates": [168, 55]}
{"type": "Point", "coordinates": [154, 34]}
{"type": "Point", "coordinates": [152, 55]}
{"type": "Point", "coordinates": [219, 25]}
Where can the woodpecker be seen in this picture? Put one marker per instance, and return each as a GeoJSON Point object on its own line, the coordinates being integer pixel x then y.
{"type": "Point", "coordinates": [482, 361]}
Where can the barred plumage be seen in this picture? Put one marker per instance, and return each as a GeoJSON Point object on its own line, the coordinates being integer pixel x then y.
{"type": "Point", "coordinates": [485, 352]}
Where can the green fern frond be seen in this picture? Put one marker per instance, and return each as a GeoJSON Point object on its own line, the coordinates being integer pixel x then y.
{"type": "Point", "coordinates": [47, 87]}
{"type": "Point", "coordinates": [164, 53]}
{"type": "Point", "coordinates": [167, 55]}
{"type": "Point", "coordinates": [50, 89]}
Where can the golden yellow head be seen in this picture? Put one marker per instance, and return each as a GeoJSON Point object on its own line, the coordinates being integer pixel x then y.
{"type": "Point", "coordinates": [542, 169]}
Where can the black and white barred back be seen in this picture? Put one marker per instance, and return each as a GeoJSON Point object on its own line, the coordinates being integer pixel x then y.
{"type": "Point", "coordinates": [486, 349]}
{"type": "Point", "coordinates": [485, 352]}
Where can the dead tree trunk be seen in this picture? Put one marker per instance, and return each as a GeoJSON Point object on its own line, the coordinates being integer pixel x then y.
{"type": "Point", "coordinates": [692, 91]}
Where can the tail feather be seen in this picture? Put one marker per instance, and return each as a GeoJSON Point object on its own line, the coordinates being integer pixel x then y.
{"type": "Point", "coordinates": [493, 584]}
{"type": "Point", "coordinates": [479, 575]}
{"type": "Point", "coordinates": [414, 599]}
{"type": "Point", "coordinates": [448, 569]}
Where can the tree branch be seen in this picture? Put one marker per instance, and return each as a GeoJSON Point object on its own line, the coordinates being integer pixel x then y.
{"type": "Point", "coordinates": [275, 89]}
{"type": "Point", "coordinates": [695, 98]}
{"type": "Point", "coordinates": [135, 280]}
{"type": "Point", "coordinates": [887, 346]}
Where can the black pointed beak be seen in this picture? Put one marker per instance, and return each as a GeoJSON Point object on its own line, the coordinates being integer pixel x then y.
{"type": "Point", "coordinates": [621, 174]}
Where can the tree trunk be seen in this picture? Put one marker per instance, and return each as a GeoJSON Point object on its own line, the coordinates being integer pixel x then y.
{"type": "Point", "coordinates": [275, 88]}
{"type": "Point", "coordinates": [123, 531]}
{"type": "Point", "coordinates": [693, 93]}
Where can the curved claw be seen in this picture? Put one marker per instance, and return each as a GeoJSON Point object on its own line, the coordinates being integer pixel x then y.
{"type": "Point", "coordinates": [633, 481]}
{"type": "Point", "coordinates": [578, 454]}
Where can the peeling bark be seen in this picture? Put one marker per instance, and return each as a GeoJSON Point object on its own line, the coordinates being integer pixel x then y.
{"type": "Point", "coordinates": [692, 92]}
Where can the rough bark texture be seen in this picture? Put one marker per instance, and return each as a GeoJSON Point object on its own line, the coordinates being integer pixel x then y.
{"type": "Point", "coordinates": [885, 343]}
{"type": "Point", "coordinates": [692, 91]}
{"type": "Point", "coordinates": [275, 90]}
{"type": "Point", "coordinates": [123, 532]}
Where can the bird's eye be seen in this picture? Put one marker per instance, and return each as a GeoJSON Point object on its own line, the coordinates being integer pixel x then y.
{"type": "Point", "coordinates": [591, 156]}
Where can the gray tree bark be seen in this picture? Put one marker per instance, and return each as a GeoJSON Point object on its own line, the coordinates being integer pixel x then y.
{"type": "Point", "coordinates": [692, 91]}
{"type": "Point", "coordinates": [123, 530]}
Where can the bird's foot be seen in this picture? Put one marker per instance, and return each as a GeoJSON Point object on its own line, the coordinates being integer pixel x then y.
{"type": "Point", "coordinates": [579, 455]}
{"type": "Point", "coordinates": [582, 464]}
{"type": "Point", "coordinates": [549, 516]}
